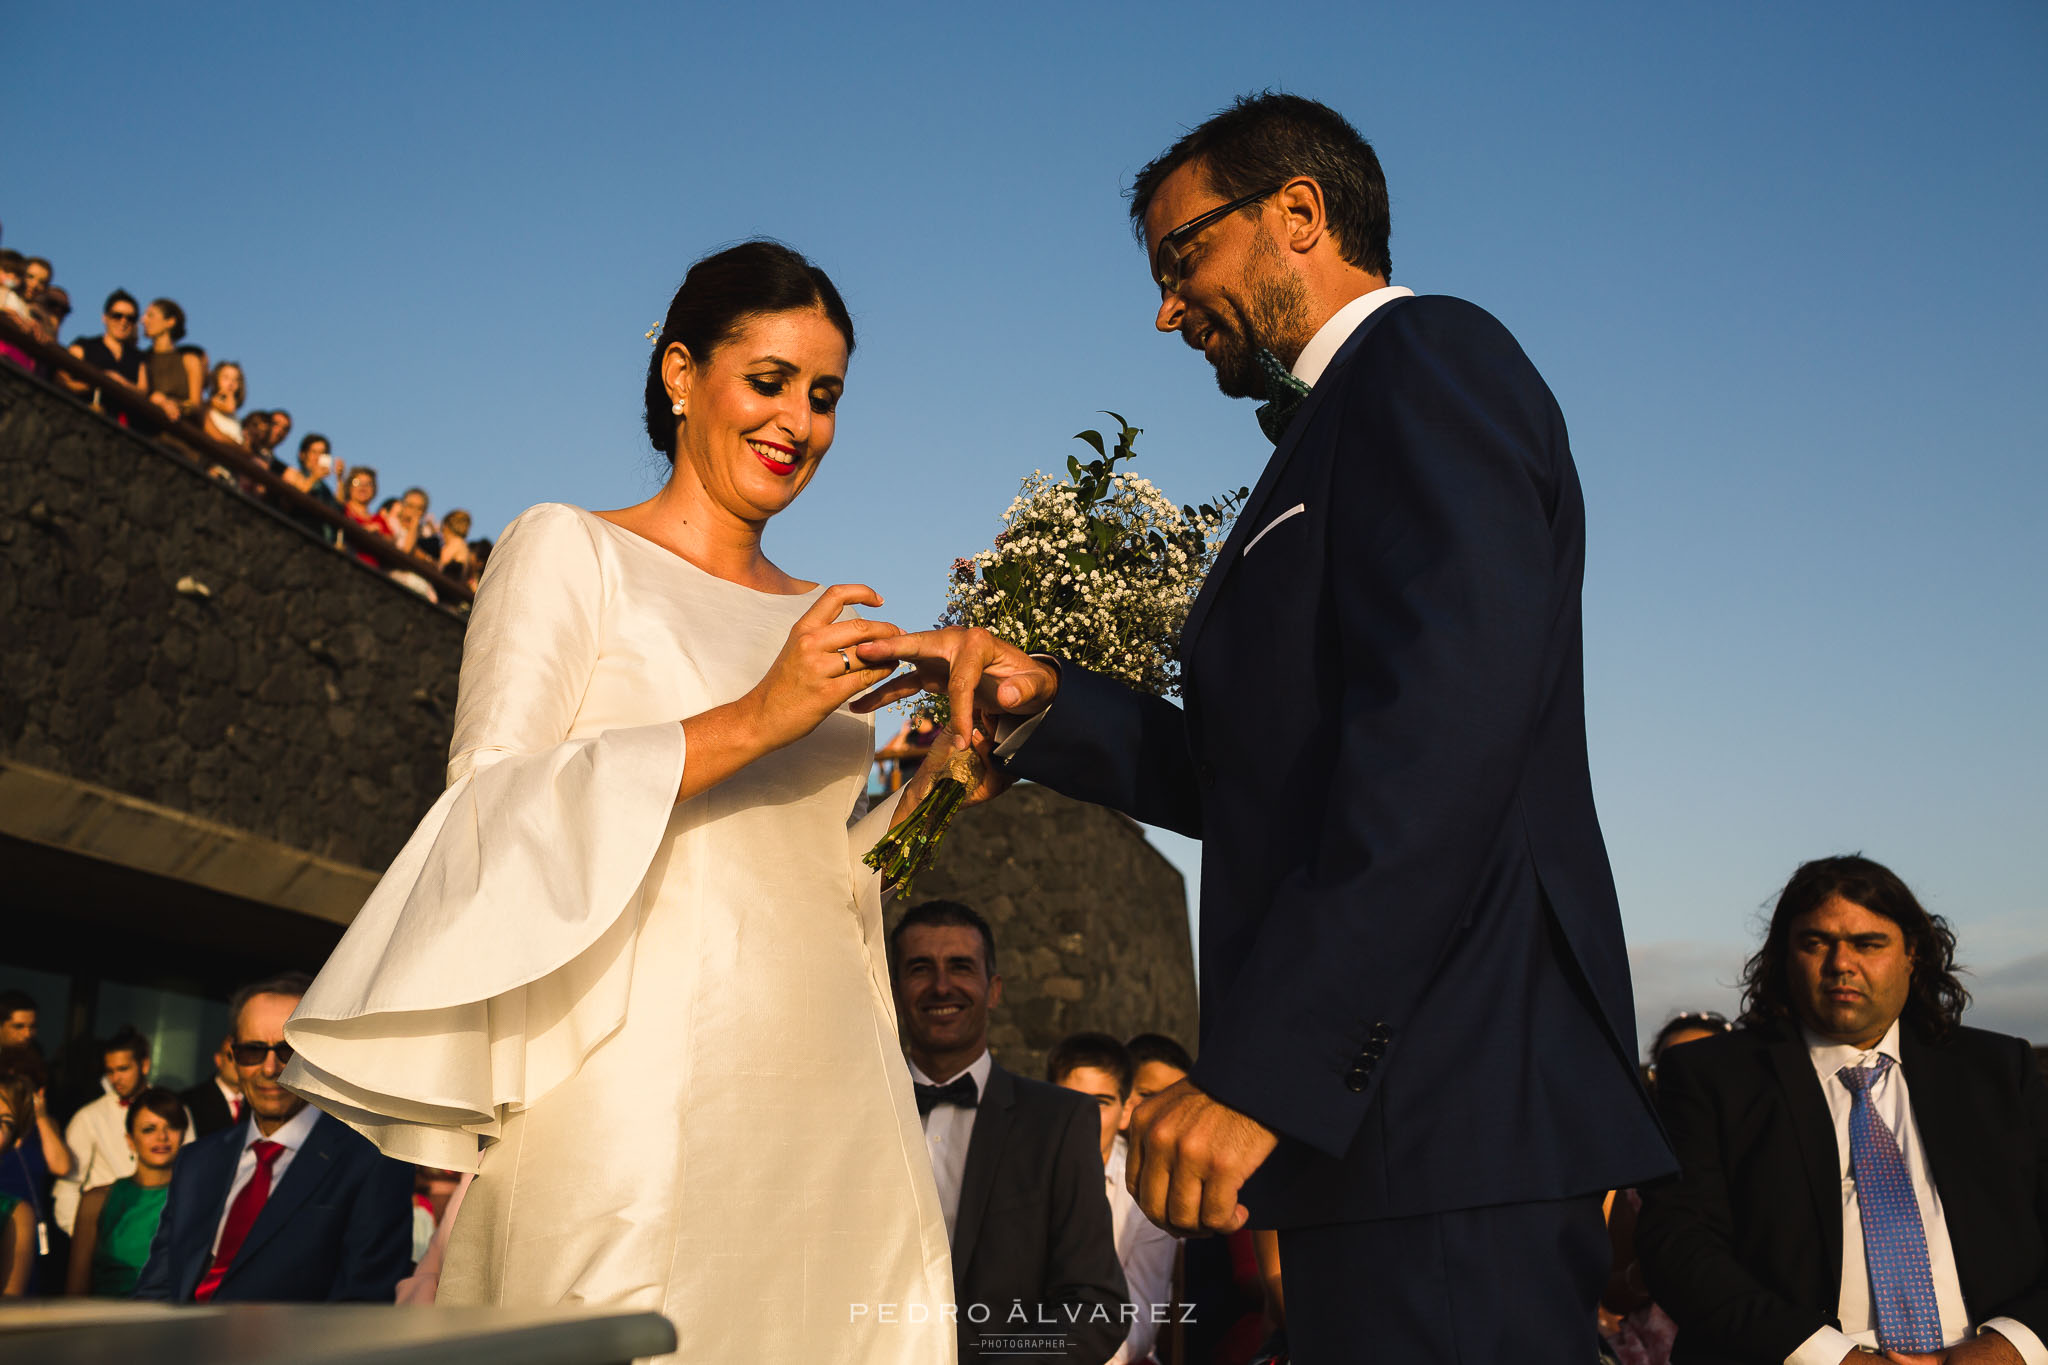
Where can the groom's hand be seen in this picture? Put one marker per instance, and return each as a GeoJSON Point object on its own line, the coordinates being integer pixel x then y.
{"type": "Point", "coordinates": [1189, 1156]}
{"type": "Point", "coordinates": [975, 670]}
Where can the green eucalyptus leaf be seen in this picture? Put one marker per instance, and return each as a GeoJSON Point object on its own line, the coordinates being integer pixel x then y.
{"type": "Point", "coordinates": [1093, 438]}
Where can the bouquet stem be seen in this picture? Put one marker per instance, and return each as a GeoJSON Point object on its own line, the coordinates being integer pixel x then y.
{"type": "Point", "coordinates": [912, 843]}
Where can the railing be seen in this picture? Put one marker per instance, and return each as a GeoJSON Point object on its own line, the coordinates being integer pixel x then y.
{"type": "Point", "coordinates": [195, 446]}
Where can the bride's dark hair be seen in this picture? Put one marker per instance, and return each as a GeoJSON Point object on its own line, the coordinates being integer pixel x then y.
{"type": "Point", "coordinates": [720, 293]}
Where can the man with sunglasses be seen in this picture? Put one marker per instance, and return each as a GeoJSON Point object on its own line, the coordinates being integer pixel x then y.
{"type": "Point", "coordinates": [289, 1205]}
{"type": "Point", "coordinates": [1418, 1038]}
{"type": "Point", "coordinates": [113, 351]}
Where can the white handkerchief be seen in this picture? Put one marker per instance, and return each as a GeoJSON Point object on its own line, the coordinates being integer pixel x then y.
{"type": "Point", "coordinates": [1299, 507]}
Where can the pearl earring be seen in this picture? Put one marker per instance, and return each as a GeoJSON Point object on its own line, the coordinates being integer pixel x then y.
{"type": "Point", "coordinates": [677, 407]}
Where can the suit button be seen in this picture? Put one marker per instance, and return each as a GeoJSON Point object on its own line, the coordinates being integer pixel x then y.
{"type": "Point", "coordinates": [1356, 1077]}
{"type": "Point", "coordinates": [1381, 1033]}
{"type": "Point", "coordinates": [1373, 1050]}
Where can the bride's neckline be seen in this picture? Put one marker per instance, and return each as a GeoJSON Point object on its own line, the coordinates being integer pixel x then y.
{"type": "Point", "coordinates": [695, 567]}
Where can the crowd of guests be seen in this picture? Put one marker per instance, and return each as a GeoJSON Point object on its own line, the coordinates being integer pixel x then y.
{"type": "Point", "coordinates": [144, 349]}
{"type": "Point", "coordinates": [1822, 1214]}
{"type": "Point", "coordinates": [1860, 1174]}
{"type": "Point", "coordinates": [198, 1195]}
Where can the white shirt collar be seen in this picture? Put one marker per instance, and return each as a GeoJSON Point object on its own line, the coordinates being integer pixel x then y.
{"type": "Point", "coordinates": [1331, 336]}
{"type": "Point", "coordinates": [291, 1136]}
{"type": "Point", "coordinates": [1828, 1056]}
{"type": "Point", "coordinates": [978, 1068]}
{"type": "Point", "coordinates": [1119, 1159]}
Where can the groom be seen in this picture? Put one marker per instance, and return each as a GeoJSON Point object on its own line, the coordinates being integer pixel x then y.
{"type": "Point", "coordinates": [1418, 1041]}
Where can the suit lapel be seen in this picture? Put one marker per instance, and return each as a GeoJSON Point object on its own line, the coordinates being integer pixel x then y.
{"type": "Point", "coordinates": [1814, 1130]}
{"type": "Point", "coordinates": [212, 1169]}
{"type": "Point", "coordinates": [1250, 517]}
{"type": "Point", "coordinates": [310, 1169]}
{"type": "Point", "coordinates": [984, 1154]}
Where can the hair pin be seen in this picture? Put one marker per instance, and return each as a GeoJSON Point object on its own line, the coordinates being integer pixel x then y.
{"type": "Point", "coordinates": [653, 334]}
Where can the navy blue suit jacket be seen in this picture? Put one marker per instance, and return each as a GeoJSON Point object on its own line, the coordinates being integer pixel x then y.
{"type": "Point", "coordinates": [337, 1228]}
{"type": "Point", "coordinates": [1412, 959]}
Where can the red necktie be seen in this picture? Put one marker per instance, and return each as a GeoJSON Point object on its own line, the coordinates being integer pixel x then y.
{"type": "Point", "coordinates": [237, 1103]}
{"type": "Point", "coordinates": [241, 1217]}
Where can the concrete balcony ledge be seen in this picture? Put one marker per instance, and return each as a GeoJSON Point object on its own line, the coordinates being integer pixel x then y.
{"type": "Point", "coordinates": [65, 813]}
{"type": "Point", "coordinates": [102, 1333]}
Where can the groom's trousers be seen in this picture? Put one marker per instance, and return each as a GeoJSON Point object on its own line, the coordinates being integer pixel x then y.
{"type": "Point", "coordinates": [1513, 1283]}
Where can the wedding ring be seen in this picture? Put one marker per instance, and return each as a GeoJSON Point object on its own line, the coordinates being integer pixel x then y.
{"type": "Point", "coordinates": [846, 659]}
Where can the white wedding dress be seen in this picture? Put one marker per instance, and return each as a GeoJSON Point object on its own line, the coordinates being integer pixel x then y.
{"type": "Point", "coordinates": [661, 1034]}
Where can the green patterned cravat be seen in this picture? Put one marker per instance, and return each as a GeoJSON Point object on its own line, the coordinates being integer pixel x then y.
{"type": "Point", "coordinates": [1286, 394]}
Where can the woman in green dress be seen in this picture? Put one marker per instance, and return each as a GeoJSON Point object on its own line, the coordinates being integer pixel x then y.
{"type": "Point", "coordinates": [17, 1220]}
{"type": "Point", "coordinates": [117, 1222]}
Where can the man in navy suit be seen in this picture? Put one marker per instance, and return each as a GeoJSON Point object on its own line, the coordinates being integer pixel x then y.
{"type": "Point", "coordinates": [289, 1205]}
{"type": "Point", "coordinates": [1418, 1042]}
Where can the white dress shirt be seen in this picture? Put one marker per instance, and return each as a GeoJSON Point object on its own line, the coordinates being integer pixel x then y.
{"type": "Point", "coordinates": [98, 1138]}
{"type": "Point", "coordinates": [947, 1131]}
{"type": "Point", "coordinates": [292, 1136]}
{"type": "Point", "coordinates": [1145, 1250]}
{"type": "Point", "coordinates": [1893, 1103]}
{"type": "Point", "coordinates": [1322, 348]}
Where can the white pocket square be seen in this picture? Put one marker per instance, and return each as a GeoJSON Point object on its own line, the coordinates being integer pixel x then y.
{"type": "Point", "coordinates": [1295, 510]}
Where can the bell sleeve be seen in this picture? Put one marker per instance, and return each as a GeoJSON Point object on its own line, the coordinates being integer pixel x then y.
{"type": "Point", "coordinates": [497, 949]}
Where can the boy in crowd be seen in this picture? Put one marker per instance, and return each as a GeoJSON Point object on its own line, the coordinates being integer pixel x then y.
{"type": "Point", "coordinates": [1098, 1066]}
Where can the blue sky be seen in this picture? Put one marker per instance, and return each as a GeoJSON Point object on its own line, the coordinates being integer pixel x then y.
{"type": "Point", "coordinates": [1776, 261]}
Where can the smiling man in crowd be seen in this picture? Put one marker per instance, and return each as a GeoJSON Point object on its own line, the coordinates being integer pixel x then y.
{"type": "Point", "coordinates": [1017, 1161]}
{"type": "Point", "coordinates": [1861, 1174]}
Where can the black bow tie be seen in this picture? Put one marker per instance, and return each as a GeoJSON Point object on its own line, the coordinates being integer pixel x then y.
{"type": "Point", "coordinates": [959, 1090]}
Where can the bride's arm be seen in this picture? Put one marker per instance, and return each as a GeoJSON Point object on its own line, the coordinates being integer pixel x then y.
{"type": "Point", "coordinates": [534, 640]}
{"type": "Point", "coordinates": [809, 680]}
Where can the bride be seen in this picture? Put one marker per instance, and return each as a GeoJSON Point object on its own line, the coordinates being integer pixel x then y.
{"type": "Point", "coordinates": [629, 969]}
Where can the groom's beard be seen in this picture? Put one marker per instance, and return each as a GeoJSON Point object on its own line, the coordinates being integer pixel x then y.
{"type": "Point", "coordinates": [1272, 316]}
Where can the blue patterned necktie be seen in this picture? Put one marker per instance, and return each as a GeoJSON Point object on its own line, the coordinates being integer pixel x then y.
{"type": "Point", "coordinates": [1285, 395]}
{"type": "Point", "coordinates": [1894, 1242]}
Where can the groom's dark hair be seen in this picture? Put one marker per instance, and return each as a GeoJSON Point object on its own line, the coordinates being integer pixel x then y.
{"type": "Point", "coordinates": [943, 914]}
{"type": "Point", "coordinates": [1271, 137]}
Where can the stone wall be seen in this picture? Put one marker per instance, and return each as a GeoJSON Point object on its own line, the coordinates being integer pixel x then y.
{"type": "Point", "coordinates": [1090, 921]}
{"type": "Point", "coordinates": [302, 697]}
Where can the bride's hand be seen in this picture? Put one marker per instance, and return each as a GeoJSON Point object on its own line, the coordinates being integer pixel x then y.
{"type": "Point", "coordinates": [817, 671]}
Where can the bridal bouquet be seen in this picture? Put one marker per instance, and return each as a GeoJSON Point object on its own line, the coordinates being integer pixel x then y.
{"type": "Point", "coordinates": [1099, 568]}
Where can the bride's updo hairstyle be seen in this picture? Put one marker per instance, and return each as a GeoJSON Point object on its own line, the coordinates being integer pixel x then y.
{"type": "Point", "coordinates": [721, 293]}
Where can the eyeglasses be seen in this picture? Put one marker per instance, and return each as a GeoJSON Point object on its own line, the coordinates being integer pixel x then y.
{"type": "Point", "coordinates": [121, 317]}
{"type": "Point", "coordinates": [1166, 258]}
{"type": "Point", "coordinates": [254, 1054]}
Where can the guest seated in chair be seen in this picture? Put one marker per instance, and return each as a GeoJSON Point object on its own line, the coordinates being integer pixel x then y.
{"type": "Point", "coordinates": [1860, 1175]}
{"type": "Point", "coordinates": [117, 1222]}
{"type": "Point", "coordinates": [290, 1204]}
